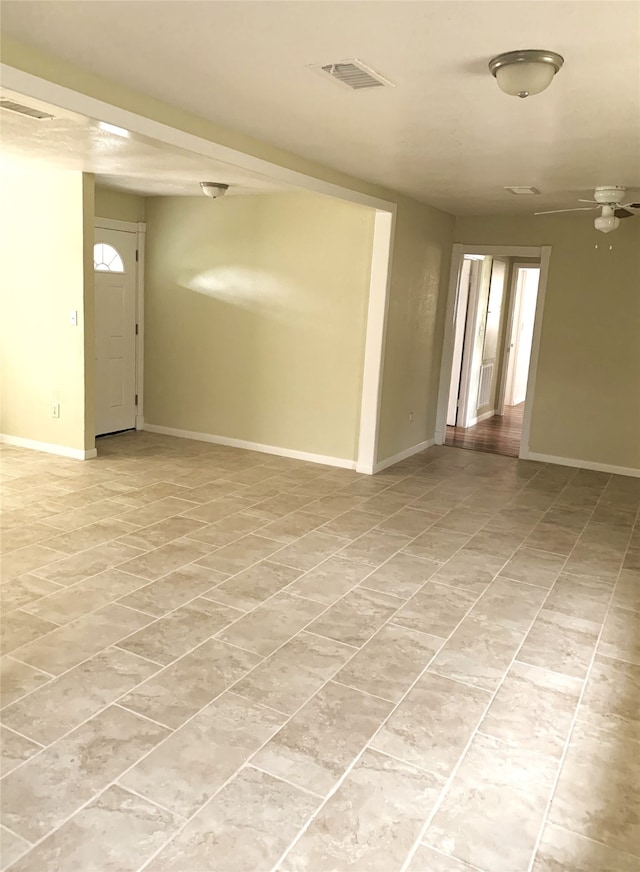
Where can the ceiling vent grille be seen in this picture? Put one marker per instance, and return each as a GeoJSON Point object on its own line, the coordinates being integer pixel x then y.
{"type": "Point", "coordinates": [352, 74]}
{"type": "Point", "coordinates": [21, 109]}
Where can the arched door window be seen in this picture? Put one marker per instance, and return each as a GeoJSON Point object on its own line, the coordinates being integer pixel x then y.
{"type": "Point", "coordinates": [106, 258]}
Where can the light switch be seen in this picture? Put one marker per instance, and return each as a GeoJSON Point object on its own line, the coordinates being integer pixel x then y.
{"type": "Point", "coordinates": [73, 318]}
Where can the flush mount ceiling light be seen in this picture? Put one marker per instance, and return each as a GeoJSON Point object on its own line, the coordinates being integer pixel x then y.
{"type": "Point", "coordinates": [525, 72]}
{"type": "Point", "coordinates": [213, 189]}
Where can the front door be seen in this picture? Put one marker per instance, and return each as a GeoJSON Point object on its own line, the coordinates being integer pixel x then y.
{"type": "Point", "coordinates": [114, 257]}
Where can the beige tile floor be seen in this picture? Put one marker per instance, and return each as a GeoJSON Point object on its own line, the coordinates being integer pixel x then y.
{"type": "Point", "coordinates": [222, 660]}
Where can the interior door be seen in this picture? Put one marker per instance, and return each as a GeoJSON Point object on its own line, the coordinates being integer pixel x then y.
{"type": "Point", "coordinates": [115, 319]}
{"type": "Point", "coordinates": [487, 381]}
{"type": "Point", "coordinates": [523, 336]}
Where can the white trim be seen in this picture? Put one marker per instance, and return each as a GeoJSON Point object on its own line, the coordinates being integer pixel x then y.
{"type": "Point", "coordinates": [483, 417]}
{"type": "Point", "coordinates": [48, 447]}
{"type": "Point", "coordinates": [141, 243]}
{"type": "Point", "coordinates": [543, 254]}
{"type": "Point", "coordinates": [41, 89]}
{"type": "Point", "coordinates": [396, 458]}
{"type": "Point", "coordinates": [116, 224]}
{"type": "Point", "coordinates": [585, 464]}
{"type": "Point", "coordinates": [383, 231]}
{"type": "Point", "coordinates": [446, 363]}
{"type": "Point", "coordinates": [501, 250]}
{"type": "Point", "coordinates": [467, 400]}
{"type": "Point", "coordinates": [341, 462]}
{"type": "Point", "coordinates": [545, 257]}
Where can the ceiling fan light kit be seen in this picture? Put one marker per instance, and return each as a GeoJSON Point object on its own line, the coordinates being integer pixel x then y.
{"type": "Point", "coordinates": [526, 71]}
{"type": "Point", "coordinates": [607, 198]}
{"type": "Point", "coordinates": [606, 223]}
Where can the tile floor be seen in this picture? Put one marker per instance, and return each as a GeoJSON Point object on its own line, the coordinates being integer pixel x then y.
{"type": "Point", "coordinates": [221, 660]}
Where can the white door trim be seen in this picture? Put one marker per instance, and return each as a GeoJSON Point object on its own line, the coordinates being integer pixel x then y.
{"type": "Point", "coordinates": [75, 101]}
{"type": "Point", "coordinates": [142, 238]}
{"type": "Point", "coordinates": [457, 257]}
{"type": "Point", "coordinates": [543, 254]}
{"type": "Point", "coordinates": [116, 224]}
{"type": "Point", "coordinates": [140, 229]}
{"type": "Point", "coordinates": [467, 403]}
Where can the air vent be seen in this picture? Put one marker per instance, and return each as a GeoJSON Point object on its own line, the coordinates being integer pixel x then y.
{"type": "Point", "coordinates": [352, 74]}
{"type": "Point", "coordinates": [522, 189]}
{"type": "Point", "coordinates": [21, 109]}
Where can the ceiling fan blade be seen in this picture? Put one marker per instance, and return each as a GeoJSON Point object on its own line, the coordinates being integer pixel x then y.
{"type": "Point", "coordinates": [623, 213]}
{"type": "Point", "coordinates": [629, 206]}
{"type": "Point", "coordinates": [588, 201]}
{"type": "Point", "coordinates": [577, 209]}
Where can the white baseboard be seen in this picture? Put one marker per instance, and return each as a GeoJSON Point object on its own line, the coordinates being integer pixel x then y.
{"type": "Point", "coordinates": [48, 447]}
{"type": "Point", "coordinates": [396, 458]}
{"type": "Point", "coordinates": [251, 446]}
{"type": "Point", "coordinates": [585, 464]}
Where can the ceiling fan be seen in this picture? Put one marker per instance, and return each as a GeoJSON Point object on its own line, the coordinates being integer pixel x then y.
{"type": "Point", "coordinates": [608, 199]}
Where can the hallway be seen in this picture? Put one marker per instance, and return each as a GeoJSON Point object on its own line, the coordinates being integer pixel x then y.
{"type": "Point", "coordinates": [497, 435]}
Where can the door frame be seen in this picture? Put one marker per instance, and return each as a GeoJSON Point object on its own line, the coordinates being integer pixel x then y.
{"type": "Point", "coordinates": [516, 266]}
{"type": "Point", "coordinates": [468, 345]}
{"type": "Point", "coordinates": [539, 252]}
{"type": "Point", "coordinates": [140, 229]}
{"type": "Point", "coordinates": [463, 291]}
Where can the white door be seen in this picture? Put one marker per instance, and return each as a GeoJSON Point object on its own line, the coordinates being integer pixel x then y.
{"type": "Point", "coordinates": [114, 259]}
{"type": "Point", "coordinates": [522, 336]}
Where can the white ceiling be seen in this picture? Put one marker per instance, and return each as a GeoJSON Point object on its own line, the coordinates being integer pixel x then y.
{"type": "Point", "coordinates": [128, 163]}
{"type": "Point", "coordinates": [445, 134]}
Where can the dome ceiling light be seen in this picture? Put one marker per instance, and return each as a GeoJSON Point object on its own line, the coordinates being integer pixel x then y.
{"type": "Point", "coordinates": [214, 189]}
{"type": "Point", "coordinates": [525, 72]}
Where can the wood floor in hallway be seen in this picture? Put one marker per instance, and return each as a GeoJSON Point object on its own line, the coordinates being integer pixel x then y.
{"type": "Point", "coordinates": [497, 435]}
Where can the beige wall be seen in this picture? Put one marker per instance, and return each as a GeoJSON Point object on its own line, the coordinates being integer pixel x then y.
{"type": "Point", "coordinates": [255, 316]}
{"type": "Point", "coordinates": [587, 400]}
{"type": "Point", "coordinates": [420, 257]}
{"type": "Point", "coordinates": [43, 271]}
{"type": "Point", "coordinates": [118, 204]}
{"type": "Point", "coordinates": [415, 324]}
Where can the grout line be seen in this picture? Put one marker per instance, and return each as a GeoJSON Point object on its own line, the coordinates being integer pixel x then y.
{"type": "Point", "coordinates": [578, 710]}
{"type": "Point", "coordinates": [410, 472]}
{"type": "Point", "coordinates": [132, 790]}
{"type": "Point", "coordinates": [462, 756]}
{"type": "Point", "coordinates": [247, 765]}
{"type": "Point", "coordinates": [121, 705]}
{"type": "Point", "coordinates": [21, 838]}
{"type": "Point", "coordinates": [27, 739]}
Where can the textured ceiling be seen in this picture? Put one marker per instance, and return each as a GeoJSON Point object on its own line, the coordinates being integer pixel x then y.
{"type": "Point", "coordinates": [128, 163]}
{"type": "Point", "coordinates": [445, 134]}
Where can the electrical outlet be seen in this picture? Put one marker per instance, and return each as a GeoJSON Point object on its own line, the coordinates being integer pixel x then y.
{"type": "Point", "coordinates": [55, 410]}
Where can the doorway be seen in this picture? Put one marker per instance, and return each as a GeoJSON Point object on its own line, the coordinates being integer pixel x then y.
{"type": "Point", "coordinates": [491, 342]}
{"type": "Point", "coordinates": [115, 274]}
